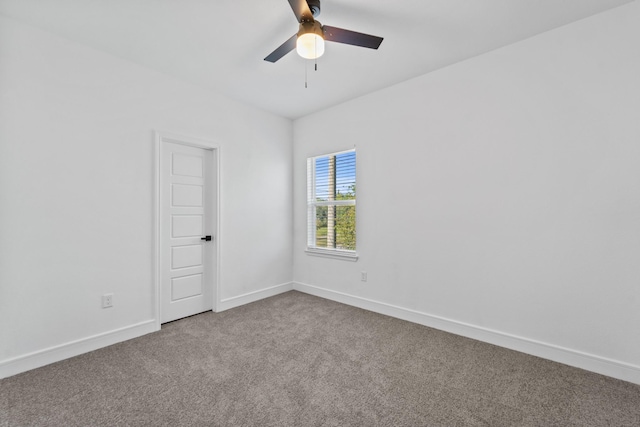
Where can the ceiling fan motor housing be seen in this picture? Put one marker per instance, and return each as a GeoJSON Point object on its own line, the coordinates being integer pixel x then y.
{"type": "Point", "coordinates": [307, 27]}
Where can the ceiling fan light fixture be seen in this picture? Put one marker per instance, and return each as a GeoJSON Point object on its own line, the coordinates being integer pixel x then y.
{"type": "Point", "coordinates": [310, 38]}
{"type": "Point", "coordinates": [310, 41]}
{"type": "Point", "coordinates": [310, 46]}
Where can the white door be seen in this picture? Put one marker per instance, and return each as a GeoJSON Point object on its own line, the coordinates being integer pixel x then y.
{"type": "Point", "coordinates": [187, 258]}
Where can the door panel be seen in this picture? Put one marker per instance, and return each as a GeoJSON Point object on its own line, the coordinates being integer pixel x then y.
{"type": "Point", "coordinates": [187, 165]}
{"type": "Point", "coordinates": [187, 202]}
{"type": "Point", "coordinates": [186, 225]}
{"type": "Point", "coordinates": [186, 256]}
{"type": "Point", "coordinates": [186, 286]}
{"type": "Point", "coordinates": [186, 195]}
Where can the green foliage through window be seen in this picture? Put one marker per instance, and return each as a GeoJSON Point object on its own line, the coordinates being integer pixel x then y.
{"type": "Point", "coordinates": [332, 196]}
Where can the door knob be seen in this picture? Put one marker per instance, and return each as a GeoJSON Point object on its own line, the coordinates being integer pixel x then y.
{"type": "Point", "coordinates": [206, 238]}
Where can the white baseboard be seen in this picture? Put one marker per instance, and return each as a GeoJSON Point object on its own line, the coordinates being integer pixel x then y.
{"type": "Point", "coordinates": [74, 348]}
{"type": "Point", "coordinates": [250, 297]}
{"type": "Point", "coordinates": [60, 352]}
{"type": "Point", "coordinates": [590, 362]}
{"type": "Point", "coordinates": [578, 359]}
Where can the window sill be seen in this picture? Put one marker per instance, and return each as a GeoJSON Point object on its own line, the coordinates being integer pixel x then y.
{"type": "Point", "coordinates": [336, 254]}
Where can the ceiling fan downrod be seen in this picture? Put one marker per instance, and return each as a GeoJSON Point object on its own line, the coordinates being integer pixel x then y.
{"type": "Point", "coordinates": [314, 7]}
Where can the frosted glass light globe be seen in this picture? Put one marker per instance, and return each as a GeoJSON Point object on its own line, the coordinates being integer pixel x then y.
{"type": "Point", "coordinates": [310, 46]}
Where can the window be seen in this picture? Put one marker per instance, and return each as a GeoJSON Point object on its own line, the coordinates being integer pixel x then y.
{"type": "Point", "coordinates": [331, 205]}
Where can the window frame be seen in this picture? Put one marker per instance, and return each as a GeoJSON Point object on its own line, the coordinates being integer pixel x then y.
{"type": "Point", "coordinates": [312, 204]}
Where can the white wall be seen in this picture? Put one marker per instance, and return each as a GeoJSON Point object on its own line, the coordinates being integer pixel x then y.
{"type": "Point", "coordinates": [499, 197]}
{"type": "Point", "coordinates": [510, 211]}
{"type": "Point", "coordinates": [77, 182]}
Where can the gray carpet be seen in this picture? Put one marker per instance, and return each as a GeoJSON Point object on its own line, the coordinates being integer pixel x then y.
{"type": "Point", "coordinates": [299, 360]}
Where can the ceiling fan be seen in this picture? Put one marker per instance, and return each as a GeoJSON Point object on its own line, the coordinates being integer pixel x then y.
{"type": "Point", "coordinates": [310, 38]}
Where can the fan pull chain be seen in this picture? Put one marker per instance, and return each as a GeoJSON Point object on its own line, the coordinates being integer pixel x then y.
{"type": "Point", "coordinates": [315, 47]}
{"type": "Point", "coordinates": [306, 72]}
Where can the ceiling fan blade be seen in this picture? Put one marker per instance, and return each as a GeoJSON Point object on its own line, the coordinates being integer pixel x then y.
{"type": "Point", "coordinates": [340, 35]}
{"type": "Point", "coordinates": [301, 10]}
{"type": "Point", "coordinates": [284, 48]}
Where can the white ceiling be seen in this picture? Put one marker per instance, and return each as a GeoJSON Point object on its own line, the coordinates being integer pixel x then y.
{"type": "Point", "coordinates": [220, 44]}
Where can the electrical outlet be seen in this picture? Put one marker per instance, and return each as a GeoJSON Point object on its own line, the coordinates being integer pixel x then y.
{"type": "Point", "coordinates": [107, 300]}
{"type": "Point", "coordinates": [363, 276]}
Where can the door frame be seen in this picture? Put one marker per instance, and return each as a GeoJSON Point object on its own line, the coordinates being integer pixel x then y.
{"type": "Point", "coordinates": [159, 138]}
